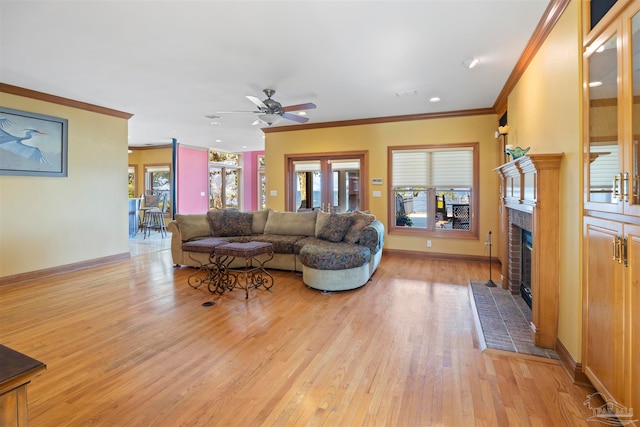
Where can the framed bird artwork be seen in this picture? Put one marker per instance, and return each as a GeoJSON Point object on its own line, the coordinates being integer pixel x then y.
{"type": "Point", "coordinates": [32, 144]}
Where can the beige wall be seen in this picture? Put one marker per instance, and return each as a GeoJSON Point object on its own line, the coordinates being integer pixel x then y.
{"type": "Point", "coordinates": [376, 138]}
{"type": "Point", "coordinates": [545, 113]}
{"type": "Point", "coordinates": [48, 222]}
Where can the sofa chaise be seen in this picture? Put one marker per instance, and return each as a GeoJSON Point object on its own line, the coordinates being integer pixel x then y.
{"type": "Point", "coordinates": [334, 252]}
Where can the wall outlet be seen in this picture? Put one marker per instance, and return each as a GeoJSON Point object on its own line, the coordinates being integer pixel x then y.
{"type": "Point", "coordinates": [273, 193]}
{"type": "Point", "coordinates": [428, 243]}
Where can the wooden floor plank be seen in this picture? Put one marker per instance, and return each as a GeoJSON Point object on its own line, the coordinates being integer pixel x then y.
{"type": "Point", "coordinates": [131, 344]}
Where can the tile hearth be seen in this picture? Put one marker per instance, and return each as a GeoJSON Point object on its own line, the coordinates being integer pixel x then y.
{"type": "Point", "coordinates": [504, 321]}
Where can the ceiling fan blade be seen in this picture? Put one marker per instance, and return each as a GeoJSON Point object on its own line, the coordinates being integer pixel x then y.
{"type": "Point", "coordinates": [238, 112]}
{"type": "Point", "coordinates": [295, 118]}
{"type": "Point", "coordinates": [258, 102]}
{"type": "Point", "coordinates": [298, 107]}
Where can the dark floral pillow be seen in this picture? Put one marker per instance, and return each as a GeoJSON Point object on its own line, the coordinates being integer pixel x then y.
{"type": "Point", "coordinates": [359, 222]}
{"type": "Point", "coordinates": [225, 223]}
{"type": "Point", "coordinates": [336, 227]}
{"type": "Point", "coordinates": [236, 224]}
{"type": "Point", "coordinates": [214, 217]}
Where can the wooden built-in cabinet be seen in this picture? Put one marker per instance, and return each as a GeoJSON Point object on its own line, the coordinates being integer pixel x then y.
{"type": "Point", "coordinates": [611, 309]}
{"type": "Point", "coordinates": [611, 246]}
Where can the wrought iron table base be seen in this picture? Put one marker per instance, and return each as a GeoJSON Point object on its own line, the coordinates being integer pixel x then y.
{"type": "Point", "coordinates": [247, 277]}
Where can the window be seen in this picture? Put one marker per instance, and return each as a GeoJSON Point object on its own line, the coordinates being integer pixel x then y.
{"type": "Point", "coordinates": [224, 180]}
{"type": "Point", "coordinates": [132, 181]}
{"type": "Point", "coordinates": [262, 184]}
{"type": "Point", "coordinates": [157, 180]}
{"type": "Point", "coordinates": [434, 190]}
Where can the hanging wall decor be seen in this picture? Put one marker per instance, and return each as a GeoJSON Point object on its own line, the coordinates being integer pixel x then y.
{"type": "Point", "coordinates": [32, 144]}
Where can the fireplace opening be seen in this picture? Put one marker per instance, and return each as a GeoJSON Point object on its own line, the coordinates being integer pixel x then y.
{"type": "Point", "coordinates": [525, 267]}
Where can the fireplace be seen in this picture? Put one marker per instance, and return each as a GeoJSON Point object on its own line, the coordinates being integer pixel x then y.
{"type": "Point", "coordinates": [525, 267]}
{"type": "Point", "coordinates": [530, 258]}
{"type": "Point", "coordinates": [520, 250]}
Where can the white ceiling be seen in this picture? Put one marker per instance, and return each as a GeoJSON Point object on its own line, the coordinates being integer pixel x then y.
{"type": "Point", "coordinates": [171, 63]}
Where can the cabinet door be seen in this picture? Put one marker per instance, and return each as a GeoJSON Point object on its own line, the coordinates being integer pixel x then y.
{"type": "Point", "coordinates": [603, 313]}
{"type": "Point", "coordinates": [603, 91]}
{"type": "Point", "coordinates": [632, 288]}
{"type": "Point", "coordinates": [632, 153]}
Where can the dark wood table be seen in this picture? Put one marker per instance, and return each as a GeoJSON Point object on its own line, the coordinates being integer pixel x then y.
{"type": "Point", "coordinates": [16, 371]}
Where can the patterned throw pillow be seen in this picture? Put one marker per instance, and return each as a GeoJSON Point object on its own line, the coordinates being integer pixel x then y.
{"type": "Point", "coordinates": [336, 227]}
{"type": "Point", "coordinates": [236, 224]}
{"type": "Point", "coordinates": [360, 221]}
{"type": "Point", "coordinates": [214, 217]}
{"type": "Point", "coordinates": [224, 223]}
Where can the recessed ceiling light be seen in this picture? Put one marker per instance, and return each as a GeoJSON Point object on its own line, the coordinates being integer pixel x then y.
{"type": "Point", "coordinates": [434, 99]}
{"type": "Point", "coordinates": [218, 140]}
{"type": "Point", "coordinates": [595, 84]}
{"type": "Point", "coordinates": [302, 113]}
{"type": "Point", "coordinates": [470, 63]}
{"type": "Point", "coordinates": [244, 146]}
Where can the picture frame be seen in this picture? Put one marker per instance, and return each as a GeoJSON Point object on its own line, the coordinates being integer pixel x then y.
{"type": "Point", "coordinates": [32, 144]}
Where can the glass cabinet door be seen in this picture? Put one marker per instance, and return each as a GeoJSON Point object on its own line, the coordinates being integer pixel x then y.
{"type": "Point", "coordinates": [632, 167]}
{"type": "Point", "coordinates": [604, 178]}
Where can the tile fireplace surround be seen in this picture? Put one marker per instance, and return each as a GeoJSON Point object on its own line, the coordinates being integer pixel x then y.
{"type": "Point", "coordinates": [530, 201]}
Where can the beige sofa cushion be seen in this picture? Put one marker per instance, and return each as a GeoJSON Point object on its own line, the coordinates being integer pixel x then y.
{"type": "Point", "coordinates": [192, 226]}
{"type": "Point", "coordinates": [321, 220]}
{"type": "Point", "coordinates": [259, 221]}
{"type": "Point", "coordinates": [291, 223]}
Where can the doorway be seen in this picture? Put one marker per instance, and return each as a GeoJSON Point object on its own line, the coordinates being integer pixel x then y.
{"type": "Point", "coordinates": [327, 182]}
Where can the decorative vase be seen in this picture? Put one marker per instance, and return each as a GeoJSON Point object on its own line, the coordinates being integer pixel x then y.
{"type": "Point", "coordinates": [517, 152]}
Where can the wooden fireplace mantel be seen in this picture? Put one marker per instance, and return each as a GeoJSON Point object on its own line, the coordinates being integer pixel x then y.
{"type": "Point", "coordinates": [531, 184]}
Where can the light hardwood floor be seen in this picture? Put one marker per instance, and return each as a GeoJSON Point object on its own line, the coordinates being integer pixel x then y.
{"type": "Point", "coordinates": [130, 344]}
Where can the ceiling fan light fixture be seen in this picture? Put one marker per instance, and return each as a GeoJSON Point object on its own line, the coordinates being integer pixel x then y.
{"type": "Point", "coordinates": [269, 119]}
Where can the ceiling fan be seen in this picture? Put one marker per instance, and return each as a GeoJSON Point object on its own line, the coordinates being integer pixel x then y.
{"type": "Point", "coordinates": [271, 111]}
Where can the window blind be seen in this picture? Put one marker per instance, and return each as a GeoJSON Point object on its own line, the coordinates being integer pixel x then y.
{"type": "Point", "coordinates": [605, 167]}
{"type": "Point", "coordinates": [432, 168]}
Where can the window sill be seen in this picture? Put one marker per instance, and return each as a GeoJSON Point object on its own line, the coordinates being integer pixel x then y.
{"type": "Point", "coordinates": [421, 232]}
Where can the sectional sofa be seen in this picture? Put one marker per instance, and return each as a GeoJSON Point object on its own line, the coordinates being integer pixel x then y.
{"type": "Point", "coordinates": [334, 252]}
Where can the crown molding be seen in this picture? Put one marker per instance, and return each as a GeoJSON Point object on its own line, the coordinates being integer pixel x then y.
{"type": "Point", "coordinates": [387, 119]}
{"type": "Point", "coordinates": [41, 96]}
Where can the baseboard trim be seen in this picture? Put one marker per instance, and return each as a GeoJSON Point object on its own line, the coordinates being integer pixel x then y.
{"type": "Point", "coordinates": [571, 367]}
{"type": "Point", "coordinates": [54, 271]}
{"type": "Point", "coordinates": [439, 255]}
